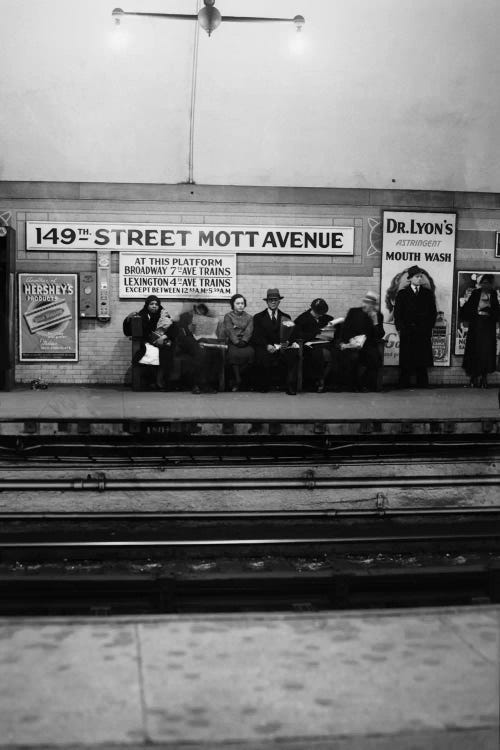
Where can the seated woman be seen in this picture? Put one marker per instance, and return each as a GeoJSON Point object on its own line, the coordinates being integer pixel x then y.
{"type": "Point", "coordinates": [308, 329]}
{"type": "Point", "coordinates": [198, 330]}
{"type": "Point", "coordinates": [158, 329]}
{"type": "Point", "coordinates": [237, 328]}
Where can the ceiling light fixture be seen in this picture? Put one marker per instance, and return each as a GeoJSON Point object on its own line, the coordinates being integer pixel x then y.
{"type": "Point", "coordinates": [209, 17]}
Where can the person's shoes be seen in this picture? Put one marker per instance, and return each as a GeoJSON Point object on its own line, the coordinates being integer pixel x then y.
{"type": "Point", "coordinates": [263, 390]}
{"type": "Point", "coordinates": [321, 388]}
{"type": "Point", "coordinates": [196, 390]}
{"type": "Point", "coordinates": [291, 392]}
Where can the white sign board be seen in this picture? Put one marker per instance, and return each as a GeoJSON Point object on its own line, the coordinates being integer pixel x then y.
{"type": "Point", "coordinates": [177, 275]}
{"type": "Point", "coordinates": [294, 240]}
{"type": "Point", "coordinates": [427, 240]}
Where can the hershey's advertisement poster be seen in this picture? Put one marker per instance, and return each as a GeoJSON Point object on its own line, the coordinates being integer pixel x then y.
{"type": "Point", "coordinates": [48, 317]}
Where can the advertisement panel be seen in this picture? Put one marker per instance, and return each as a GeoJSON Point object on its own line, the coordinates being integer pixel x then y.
{"type": "Point", "coordinates": [425, 239]}
{"type": "Point", "coordinates": [181, 276]}
{"type": "Point", "coordinates": [48, 317]}
{"type": "Point", "coordinates": [292, 240]}
{"type": "Point", "coordinates": [467, 281]}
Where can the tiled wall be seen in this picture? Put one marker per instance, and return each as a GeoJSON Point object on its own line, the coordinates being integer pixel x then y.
{"type": "Point", "coordinates": [105, 352]}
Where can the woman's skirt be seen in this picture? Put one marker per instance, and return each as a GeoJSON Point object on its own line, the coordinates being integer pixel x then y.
{"type": "Point", "coordinates": [240, 355]}
{"type": "Point", "coordinates": [480, 349]}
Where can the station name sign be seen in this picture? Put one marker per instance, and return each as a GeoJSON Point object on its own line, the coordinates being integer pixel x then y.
{"type": "Point", "coordinates": [295, 240]}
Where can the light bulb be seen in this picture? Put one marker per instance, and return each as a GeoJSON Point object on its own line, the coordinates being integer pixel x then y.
{"type": "Point", "coordinates": [118, 37]}
{"type": "Point", "coordinates": [297, 43]}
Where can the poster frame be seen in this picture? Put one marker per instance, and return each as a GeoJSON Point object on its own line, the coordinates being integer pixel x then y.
{"type": "Point", "coordinates": [440, 211]}
{"type": "Point", "coordinates": [33, 360]}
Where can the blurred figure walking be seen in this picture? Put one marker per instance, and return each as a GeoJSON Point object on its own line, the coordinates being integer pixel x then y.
{"type": "Point", "coordinates": [482, 313]}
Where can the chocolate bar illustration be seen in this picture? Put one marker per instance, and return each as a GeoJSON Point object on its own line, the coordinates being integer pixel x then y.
{"type": "Point", "coordinates": [48, 316]}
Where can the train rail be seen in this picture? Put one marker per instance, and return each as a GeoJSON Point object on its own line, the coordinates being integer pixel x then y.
{"type": "Point", "coordinates": [117, 450]}
{"type": "Point", "coordinates": [83, 533]}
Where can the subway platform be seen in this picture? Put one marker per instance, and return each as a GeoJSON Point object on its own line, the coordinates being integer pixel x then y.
{"type": "Point", "coordinates": [404, 680]}
{"type": "Point", "coordinates": [112, 410]}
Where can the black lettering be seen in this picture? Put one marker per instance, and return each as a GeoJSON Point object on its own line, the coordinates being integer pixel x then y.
{"type": "Point", "coordinates": [337, 239]}
{"type": "Point", "coordinates": [149, 236]}
{"type": "Point", "coordinates": [269, 240]}
{"type": "Point", "coordinates": [206, 238]}
{"type": "Point", "coordinates": [166, 239]}
{"type": "Point", "coordinates": [102, 237]}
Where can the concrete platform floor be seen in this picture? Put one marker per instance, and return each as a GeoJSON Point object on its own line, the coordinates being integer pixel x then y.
{"type": "Point", "coordinates": [405, 680]}
{"type": "Point", "coordinates": [79, 402]}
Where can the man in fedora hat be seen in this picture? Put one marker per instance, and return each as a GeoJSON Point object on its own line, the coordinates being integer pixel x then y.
{"type": "Point", "coordinates": [274, 360]}
{"type": "Point", "coordinates": [361, 345]}
{"type": "Point", "coordinates": [414, 316]}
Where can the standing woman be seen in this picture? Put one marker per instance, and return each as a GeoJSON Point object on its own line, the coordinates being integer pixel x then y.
{"type": "Point", "coordinates": [238, 330]}
{"type": "Point", "coordinates": [481, 312]}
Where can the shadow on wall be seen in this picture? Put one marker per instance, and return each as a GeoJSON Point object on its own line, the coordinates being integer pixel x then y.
{"type": "Point", "coordinates": [119, 352]}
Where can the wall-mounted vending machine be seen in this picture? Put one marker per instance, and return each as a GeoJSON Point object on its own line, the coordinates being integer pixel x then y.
{"type": "Point", "coordinates": [88, 294]}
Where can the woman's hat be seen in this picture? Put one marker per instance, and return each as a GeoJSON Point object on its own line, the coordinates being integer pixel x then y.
{"type": "Point", "coordinates": [371, 298]}
{"type": "Point", "coordinates": [273, 294]}
{"type": "Point", "coordinates": [486, 278]}
{"type": "Point", "coordinates": [200, 308]}
{"type": "Point", "coordinates": [413, 270]}
{"type": "Point", "coordinates": [152, 298]}
{"type": "Point", "coordinates": [319, 306]}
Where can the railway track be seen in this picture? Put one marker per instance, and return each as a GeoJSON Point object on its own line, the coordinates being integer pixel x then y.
{"type": "Point", "coordinates": [48, 559]}
{"type": "Point", "coordinates": [146, 534]}
{"type": "Point", "coordinates": [25, 451]}
{"type": "Point", "coordinates": [74, 565]}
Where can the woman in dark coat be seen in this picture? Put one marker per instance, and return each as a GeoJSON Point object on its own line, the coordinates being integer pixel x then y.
{"type": "Point", "coordinates": [414, 316]}
{"type": "Point", "coordinates": [317, 364]}
{"type": "Point", "coordinates": [481, 312]}
{"type": "Point", "coordinates": [238, 329]}
{"type": "Point", "coordinates": [162, 337]}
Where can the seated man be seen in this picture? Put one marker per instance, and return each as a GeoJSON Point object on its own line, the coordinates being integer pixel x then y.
{"type": "Point", "coordinates": [198, 328]}
{"type": "Point", "coordinates": [317, 358]}
{"type": "Point", "coordinates": [274, 359]}
{"type": "Point", "coordinates": [361, 345]}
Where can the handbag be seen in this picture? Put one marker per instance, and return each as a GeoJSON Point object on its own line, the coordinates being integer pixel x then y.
{"type": "Point", "coordinates": [151, 355]}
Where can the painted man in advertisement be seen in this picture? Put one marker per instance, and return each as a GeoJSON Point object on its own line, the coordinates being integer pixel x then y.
{"type": "Point", "coordinates": [414, 316]}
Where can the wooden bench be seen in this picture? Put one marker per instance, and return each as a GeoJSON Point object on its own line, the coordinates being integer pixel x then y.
{"type": "Point", "coordinates": [138, 370]}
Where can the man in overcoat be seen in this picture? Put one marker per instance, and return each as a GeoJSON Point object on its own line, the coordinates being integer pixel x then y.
{"type": "Point", "coordinates": [274, 360]}
{"type": "Point", "coordinates": [414, 316]}
{"type": "Point", "coordinates": [360, 367]}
